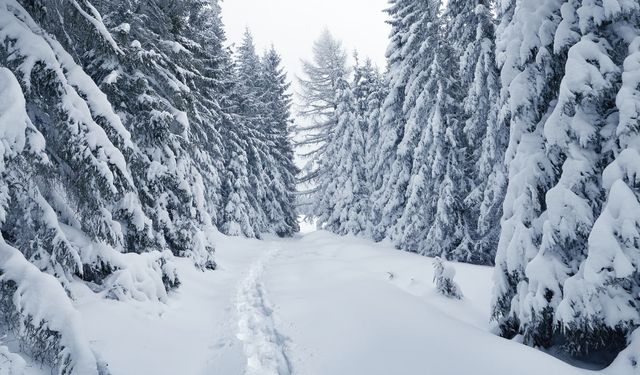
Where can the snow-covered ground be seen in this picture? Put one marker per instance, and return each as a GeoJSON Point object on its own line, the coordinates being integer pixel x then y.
{"type": "Point", "coordinates": [316, 304]}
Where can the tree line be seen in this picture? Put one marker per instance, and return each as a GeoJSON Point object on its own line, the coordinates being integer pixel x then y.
{"type": "Point", "coordinates": [501, 133]}
{"type": "Point", "coordinates": [129, 132]}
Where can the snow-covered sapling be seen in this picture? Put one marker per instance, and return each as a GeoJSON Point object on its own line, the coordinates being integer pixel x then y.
{"type": "Point", "coordinates": [443, 277]}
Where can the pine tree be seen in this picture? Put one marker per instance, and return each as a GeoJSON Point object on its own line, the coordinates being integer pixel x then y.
{"type": "Point", "coordinates": [342, 207]}
{"type": "Point", "coordinates": [447, 180]}
{"type": "Point", "coordinates": [154, 86]}
{"type": "Point", "coordinates": [443, 275]}
{"type": "Point", "coordinates": [245, 186]}
{"type": "Point", "coordinates": [277, 100]}
{"type": "Point", "coordinates": [529, 76]}
{"type": "Point", "coordinates": [371, 108]}
{"type": "Point", "coordinates": [408, 57]}
{"type": "Point", "coordinates": [69, 202]}
{"type": "Point", "coordinates": [599, 309]}
{"type": "Point", "coordinates": [573, 135]}
{"type": "Point", "coordinates": [263, 176]}
{"type": "Point", "coordinates": [473, 35]}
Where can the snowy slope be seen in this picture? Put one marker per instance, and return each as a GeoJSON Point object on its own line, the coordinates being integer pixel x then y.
{"type": "Point", "coordinates": [313, 305]}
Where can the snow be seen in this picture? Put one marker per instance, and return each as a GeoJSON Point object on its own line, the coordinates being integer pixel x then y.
{"type": "Point", "coordinates": [11, 363]}
{"type": "Point", "coordinates": [315, 304]}
{"type": "Point", "coordinates": [41, 300]}
{"type": "Point", "coordinates": [264, 346]}
{"type": "Point", "coordinates": [137, 277]}
{"type": "Point", "coordinates": [13, 116]}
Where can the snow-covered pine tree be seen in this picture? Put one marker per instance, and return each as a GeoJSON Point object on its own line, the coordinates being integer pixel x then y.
{"type": "Point", "coordinates": [155, 86]}
{"type": "Point", "coordinates": [263, 172]}
{"type": "Point", "coordinates": [22, 158]}
{"type": "Point", "coordinates": [319, 93]}
{"type": "Point", "coordinates": [600, 302]}
{"type": "Point", "coordinates": [86, 141]}
{"type": "Point", "coordinates": [472, 32]}
{"type": "Point", "coordinates": [369, 93]}
{"type": "Point", "coordinates": [69, 202]}
{"type": "Point", "coordinates": [430, 154]}
{"type": "Point", "coordinates": [244, 183]}
{"type": "Point", "coordinates": [576, 135]}
{"type": "Point", "coordinates": [408, 57]}
{"type": "Point", "coordinates": [342, 207]}
{"type": "Point", "coordinates": [530, 74]}
{"type": "Point", "coordinates": [277, 100]}
{"type": "Point", "coordinates": [371, 108]}
{"type": "Point", "coordinates": [447, 181]}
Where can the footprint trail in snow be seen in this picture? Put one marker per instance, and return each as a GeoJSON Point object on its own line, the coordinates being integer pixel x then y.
{"type": "Point", "coordinates": [264, 346]}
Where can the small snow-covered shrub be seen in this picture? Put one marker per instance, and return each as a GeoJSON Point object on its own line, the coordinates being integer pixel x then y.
{"type": "Point", "coordinates": [443, 277]}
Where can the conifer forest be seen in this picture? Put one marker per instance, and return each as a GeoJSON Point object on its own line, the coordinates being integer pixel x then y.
{"type": "Point", "coordinates": [173, 201]}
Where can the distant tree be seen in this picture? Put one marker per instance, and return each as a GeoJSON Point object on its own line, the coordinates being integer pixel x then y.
{"type": "Point", "coordinates": [342, 205]}
{"type": "Point", "coordinates": [277, 98]}
{"type": "Point", "coordinates": [319, 92]}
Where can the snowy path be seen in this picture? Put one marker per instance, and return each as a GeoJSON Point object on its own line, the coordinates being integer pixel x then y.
{"type": "Point", "coordinates": [317, 304]}
{"type": "Point", "coordinates": [264, 346]}
{"type": "Point", "coordinates": [352, 307]}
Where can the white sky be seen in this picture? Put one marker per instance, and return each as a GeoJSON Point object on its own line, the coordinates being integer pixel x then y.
{"type": "Point", "coordinates": [293, 25]}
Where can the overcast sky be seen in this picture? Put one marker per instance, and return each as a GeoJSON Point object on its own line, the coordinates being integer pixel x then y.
{"type": "Point", "coordinates": [293, 25]}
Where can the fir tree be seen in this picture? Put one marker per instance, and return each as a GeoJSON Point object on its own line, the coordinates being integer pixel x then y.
{"type": "Point", "coordinates": [485, 138]}
{"type": "Point", "coordinates": [277, 99]}
{"type": "Point", "coordinates": [608, 276]}
{"type": "Point", "coordinates": [342, 207]}
{"type": "Point", "coordinates": [529, 76]}
{"type": "Point", "coordinates": [409, 54]}
{"type": "Point", "coordinates": [574, 139]}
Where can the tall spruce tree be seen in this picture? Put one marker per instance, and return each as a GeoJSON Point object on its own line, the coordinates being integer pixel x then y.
{"type": "Point", "coordinates": [404, 116]}
{"type": "Point", "coordinates": [448, 181]}
{"type": "Point", "coordinates": [575, 135]}
{"type": "Point", "coordinates": [608, 275]}
{"type": "Point", "coordinates": [246, 194]}
{"type": "Point", "coordinates": [485, 137]}
{"type": "Point", "coordinates": [530, 73]}
{"type": "Point", "coordinates": [402, 14]}
{"type": "Point", "coordinates": [70, 206]}
{"type": "Point", "coordinates": [277, 98]}
{"type": "Point", "coordinates": [260, 190]}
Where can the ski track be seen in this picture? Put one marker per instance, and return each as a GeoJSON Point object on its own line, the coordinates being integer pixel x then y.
{"type": "Point", "coordinates": [264, 346]}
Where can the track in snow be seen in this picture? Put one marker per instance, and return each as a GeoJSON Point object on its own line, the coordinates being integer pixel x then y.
{"type": "Point", "coordinates": [264, 346]}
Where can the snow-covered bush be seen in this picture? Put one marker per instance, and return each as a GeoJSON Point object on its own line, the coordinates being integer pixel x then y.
{"type": "Point", "coordinates": [443, 275]}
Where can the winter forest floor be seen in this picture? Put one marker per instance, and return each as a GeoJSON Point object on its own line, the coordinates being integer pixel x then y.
{"type": "Point", "coordinates": [312, 305]}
